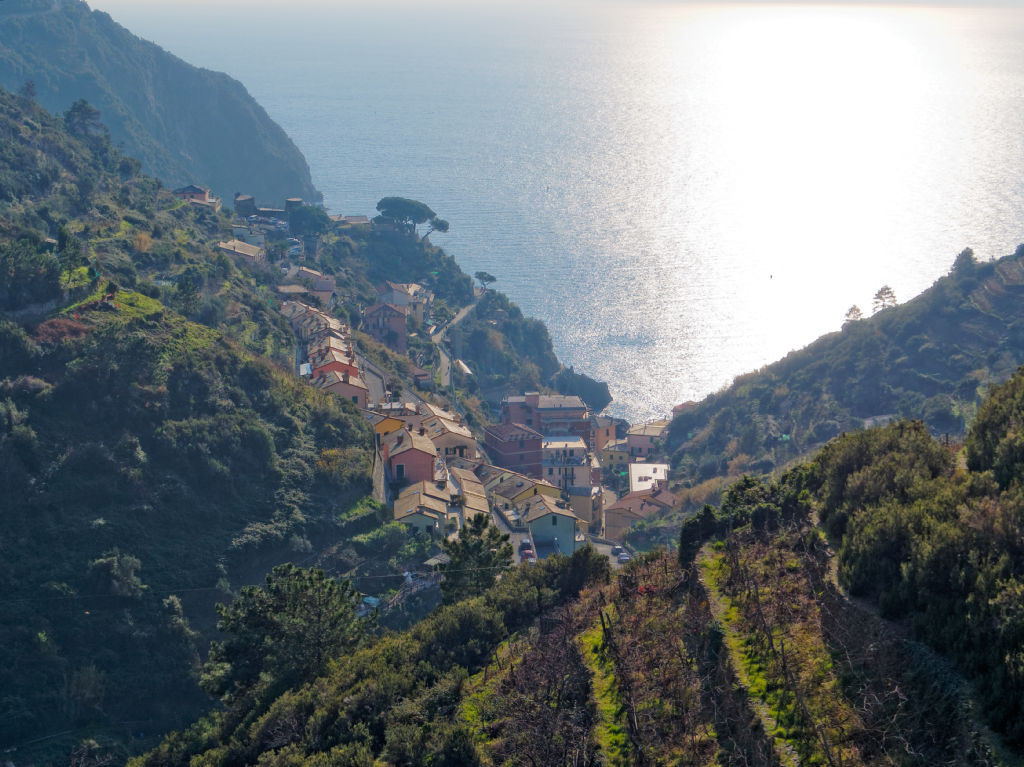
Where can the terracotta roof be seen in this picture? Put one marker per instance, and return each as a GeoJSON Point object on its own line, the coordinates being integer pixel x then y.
{"type": "Point", "coordinates": [241, 248]}
{"type": "Point", "coordinates": [422, 496]}
{"type": "Point", "coordinates": [437, 426]}
{"type": "Point", "coordinates": [518, 484]}
{"type": "Point", "coordinates": [377, 308]}
{"type": "Point", "coordinates": [508, 432]}
{"type": "Point", "coordinates": [653, 429]}
{"type": "Point", "coordinates": [428, 410]}
{"type": "Point", "coordinates": [643, 503]}
{"type": "Point", "coordinates": [403, 440]}
{"type": "Point", "coordinates": [544, 506]}
{"type": "Point", "coordinates": [332, 377]}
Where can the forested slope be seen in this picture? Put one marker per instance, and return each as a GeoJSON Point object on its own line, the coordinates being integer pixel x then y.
{"type": "Point", "coordinates": [187, 125]}
{"type": "Point", "coordinates": [864, 608]}
{"type": "Point", "coordinates": [149, 464]}
{"type": "Point", "coordinates": [931, 359]}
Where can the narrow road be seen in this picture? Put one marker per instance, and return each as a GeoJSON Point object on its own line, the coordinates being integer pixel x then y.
{"type": "Point", "coordinates": [439, 338]}
{"type": "Point", "coordinates": [374, 379]}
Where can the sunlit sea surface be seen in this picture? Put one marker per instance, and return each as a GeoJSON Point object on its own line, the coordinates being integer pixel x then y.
{"type": "Point", "coordinates": [682, 192]}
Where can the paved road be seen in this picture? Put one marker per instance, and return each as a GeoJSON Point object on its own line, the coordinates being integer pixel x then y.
{"type": "Point", "coordinates": [438, 338]}
{"type": "Point", "coordinates": [374, 378]}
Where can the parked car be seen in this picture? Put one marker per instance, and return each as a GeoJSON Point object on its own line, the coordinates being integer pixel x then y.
{"type": "Point", "coordinates": [524, 543]}
{"type": "Point", "coordinates": [624, 557]}
{"type": "Point", "coordinates": [527, 554]}
{"type": "Point", "coordinates": [616, 550]}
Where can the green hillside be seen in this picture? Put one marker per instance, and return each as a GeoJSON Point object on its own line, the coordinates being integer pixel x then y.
{"type": "Point", "coordinates": [187, 125]}
{"type": "Point", "coordinates": [150, 463]}
{"type": "Point", "coordinates": [863, 609]}
{"type": "Point", "coordinates": [931, 359]}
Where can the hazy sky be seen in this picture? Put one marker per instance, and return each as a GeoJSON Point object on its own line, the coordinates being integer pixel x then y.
{"type": "Point", "coordinates": [111, 6]}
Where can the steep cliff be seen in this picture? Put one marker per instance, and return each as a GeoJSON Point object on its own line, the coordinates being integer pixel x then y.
{"type": "Point", "coordinates": [187, 125]}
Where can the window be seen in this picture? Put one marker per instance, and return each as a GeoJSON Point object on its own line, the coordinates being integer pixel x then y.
{"type": "Point", "coordinates": [550, 471]}
{"type": "Point", "coordinates": [400, 471]}
{"type": "Point", "coordinates": [554, 521]}
{"type": "Point", "coordinates": [522, 444]}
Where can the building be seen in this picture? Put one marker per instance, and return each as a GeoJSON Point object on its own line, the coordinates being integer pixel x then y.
{"type": "Point", "coordinates": [350, 387]}
{"type": "Point", "coordinates": [425, 507]}
{"type": "Point", "coordinates": [634, 507]}
{"type": "Point", "coordinates": [386, 323]}
{"type": "Point", "coordinates": [382, 424]}
{"type": "Point", "coordinates": [644, 439]}
{"type": "Point", "coordinates": [565, 461]}
{"type": "Point", "coordinates": [511, 490]}
{"type": "Point", "coordinates": [553, 527]}
{"type": "Point", "coordinates": [251, 254]}
{"type": "Point", "coordinates": [450, 438]}
{"type": "Point", "coordinates": [199, 196]}
{"type": "Point", "coordinates": [333, 353]}
{"type": "Point", "coordinates": [515, 446]}
{"type": "Point", "coordinates": [347, 221]}
{"type": "Point", "coordinates": [604, 432]}
{"type": "Point", "coordinates": [615, 457]}
{"type": "Point", "coordinates": [410, 295]}
{"type": "Point", "coordinates": [410, 456]}
{"type": "Point", "coordinates": [587, 503]}
{"type": "Point", "coordinates": [550, 414]}
{"type": "Point", "coordinates": [643, 476]}
{"type": "Point", "coordinates": [245, 205]}
{"type": "Point", "coordinates": [474, 498]}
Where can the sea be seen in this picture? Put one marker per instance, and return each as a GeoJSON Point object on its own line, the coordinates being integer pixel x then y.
{"type": "Point", "coordinates": [682, 192]}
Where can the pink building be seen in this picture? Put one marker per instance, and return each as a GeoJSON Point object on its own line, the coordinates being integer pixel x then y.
{"type": "Point", "coordinates": [387, 323]}
{"type": "Point", "coordinates": [410, 456]}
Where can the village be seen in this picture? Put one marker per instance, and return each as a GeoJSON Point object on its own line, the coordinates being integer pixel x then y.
{"type": "Point", "coordinates": [550, 473]}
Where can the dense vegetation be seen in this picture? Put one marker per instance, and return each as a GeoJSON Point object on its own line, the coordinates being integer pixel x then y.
{"type": "Point", "coordinates": [930, 359]}
{"type": "Point", "coordinates": [512, 353]}
{"type": "Point", "coordinates": [399, 698]}
{"type": "Point", "coordinates": [187, 125]}
{"type": "Point", "coordinates": [148, 464]}
{"type": "Point", "coordinates": [154, 465]}
{"type": "Point", "coordinates": [930, 542]}
{"type": "Point", "coordinates": [156, 459]}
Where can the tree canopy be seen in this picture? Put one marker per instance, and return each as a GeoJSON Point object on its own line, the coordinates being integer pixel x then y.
{"type": "Point", "coordinates": [402, 210]}
{"type": "Point", "coordinates": [477, 556]}
{"type": "Point", "coordinates": [308, 220]}
{"type": "Point", "coordinates": [283, 632]}
{"type": "Point", "coordinates": [885, 298]}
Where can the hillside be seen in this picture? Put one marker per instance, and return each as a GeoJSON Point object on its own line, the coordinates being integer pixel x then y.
{"type": "Point", "coordinates": [187, 125]}
{"type": "Point", "coordinates": [865, 608]}
{"type": "Point", "coordinates": [157, 454]}
{"type": "Point", "coordinates": [931, 358]}
{"type": "Point", "coordinates": [154, 457]}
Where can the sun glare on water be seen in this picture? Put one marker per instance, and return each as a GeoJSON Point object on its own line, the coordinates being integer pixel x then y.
{"type": "Point", "coordinates": [683, 192]}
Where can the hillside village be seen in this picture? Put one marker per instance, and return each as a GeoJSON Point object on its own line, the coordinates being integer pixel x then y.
{"type": "Point", "coordinates": [550, 472]}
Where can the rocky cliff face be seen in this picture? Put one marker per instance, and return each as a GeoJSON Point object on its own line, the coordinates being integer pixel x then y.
{"type": "Point", "coordinates": [187, 125]}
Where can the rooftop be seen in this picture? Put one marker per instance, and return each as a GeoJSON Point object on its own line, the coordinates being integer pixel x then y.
{"type": "Point", "coordinates": [652, 429]}
{"type": "Point", "coordinates": [507, 432]}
